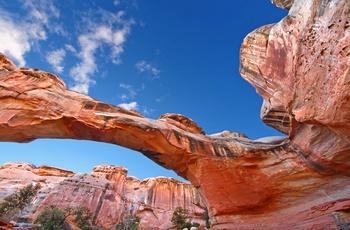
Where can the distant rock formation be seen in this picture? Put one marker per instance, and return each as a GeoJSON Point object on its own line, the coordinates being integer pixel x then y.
{"type": "Point", "coordinates": [300, 66]}
{"type": "Point", "coordinates": [107, 191]}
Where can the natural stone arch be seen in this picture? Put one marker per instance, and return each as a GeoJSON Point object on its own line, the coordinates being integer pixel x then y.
{"type": "Point", "coordinates": [38, 105]}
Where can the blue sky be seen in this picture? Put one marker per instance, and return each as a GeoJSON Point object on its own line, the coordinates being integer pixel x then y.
{"type": "Point", "coordinates": [154, 56]}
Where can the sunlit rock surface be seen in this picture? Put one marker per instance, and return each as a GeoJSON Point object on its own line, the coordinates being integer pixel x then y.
{"type": "Point", "coordinates": [300, 66]}
{"type": "Point", "coordinates": [107, 191]}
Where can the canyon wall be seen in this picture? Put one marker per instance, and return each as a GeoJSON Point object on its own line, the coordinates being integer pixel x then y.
{"type": "Point", "coordinates": [107, 191]}
{"type": "Point", "coordinates": [300, 66]}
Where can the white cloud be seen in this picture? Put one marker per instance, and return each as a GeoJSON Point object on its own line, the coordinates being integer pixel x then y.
{"type": "Point", "coordinates": [111, 31]}
{"type": "Point", "coordinates": [19, 33]}
{"type": "Point", "coordinates": [70, 48]}
{"type": "Point", "coordinates": [81, 72]}
{"type": "Point", "coordinates": [14, 41]}
{"type": "Point", "coordinates": [55, 58]}
{"type": "Point", "coordinates": [129, 106]}
{"type": "Point", "coordinates": [116, 2]}
{"type": "Point", "coordinates": [99, 32]}
{"type": "Point", "coordinates": [143, 66]}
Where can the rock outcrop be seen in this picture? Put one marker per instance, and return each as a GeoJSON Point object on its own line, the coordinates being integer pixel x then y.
{"type": "Point", "coordinates": [107, 191]}
{"type": "Point", "coordinates": [300, 66]}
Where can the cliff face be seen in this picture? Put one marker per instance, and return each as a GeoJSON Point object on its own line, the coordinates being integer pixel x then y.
{"type": "Point", "coordinates": [300, 66]}
{"type": "Point", "coordinates": [107, 191]}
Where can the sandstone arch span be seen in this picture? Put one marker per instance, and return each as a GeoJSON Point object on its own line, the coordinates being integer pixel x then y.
{"type": "Point", "coordinates": [300, 66]}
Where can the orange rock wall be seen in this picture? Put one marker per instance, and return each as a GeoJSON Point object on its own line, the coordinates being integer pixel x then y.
{"type": "Point", "coordinates": [107, 191]}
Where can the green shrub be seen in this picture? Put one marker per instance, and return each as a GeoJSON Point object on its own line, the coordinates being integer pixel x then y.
{"type": "Point", "coordinates": [13, 204]}
{"type": "Point", "coordinates": [52, 218]}
{"type": "Point", "coordinates": [83, 218]}
{"type": "Point", "coordinates": [179, 218]}
{"type": "Point", "coordinates": [130, 222]}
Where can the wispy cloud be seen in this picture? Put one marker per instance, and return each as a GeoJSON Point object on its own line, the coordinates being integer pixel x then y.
{"type": "Point", "coordinates": [116, 2]}
{"type": "Point", "coordinates": [70, 48]}
{"type": "Point", "coordinates": [19, 33]}
{"type": "Point", "coordinates": [41, 10]}
{"type": "Point", "coordinates": [147, 111]}
{"type": "Point", "coordinates": [100, 35]}
{"type": "Point", "coordinates": [130, 91]}
{"type": "Point", "coordinates": [161, 99]}
{"type": "Point", "coordinates": [110, 31]}
{"type": "Point", "coordinates": [143, 66]}
{"type": "Point", "coordinates": [55, 58]}
{"type": "Point", "coordinates": [129, 106]}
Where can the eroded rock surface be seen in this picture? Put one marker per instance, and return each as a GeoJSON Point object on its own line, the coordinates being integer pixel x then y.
{"type": "Point", "coordinates": [300, 66]}
{"type": "Point", "coordinates": [107, 191]}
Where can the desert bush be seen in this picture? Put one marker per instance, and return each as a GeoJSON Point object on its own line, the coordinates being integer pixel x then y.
{"type": "Point", "coordinates": [13, 204]}
{"type": "Point", "coordinates": [179, 218]}
{"type": "Point", "coordinates": [84, 218]}
{"type": "Point", "coordinates": [54, 218]}
{"type": "Point", "coordinates": [130, 222]}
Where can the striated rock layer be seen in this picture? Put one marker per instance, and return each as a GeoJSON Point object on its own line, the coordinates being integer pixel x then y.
{"type": "Point", "coordinates": [107, 191]}
{"type": "Point", "coordinates": [300, 66]}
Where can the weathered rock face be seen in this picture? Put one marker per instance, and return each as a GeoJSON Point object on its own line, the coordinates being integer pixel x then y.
{"type": "Point", "coordinates": [107, 191]}
{"type": "Point", "coordinates": [284, 4]}
{"type": "Point", "coordinates": [300, 66]}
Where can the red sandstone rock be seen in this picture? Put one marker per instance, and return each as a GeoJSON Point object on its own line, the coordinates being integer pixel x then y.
{"type": "Point", "coordinates": [108, 192]}
{"type": "Point", "coordinates": [182, 122]}
{"type": "Point", "coordinates": [52, 171]}
{"type": "Point", "coordinates": [300, 66]}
